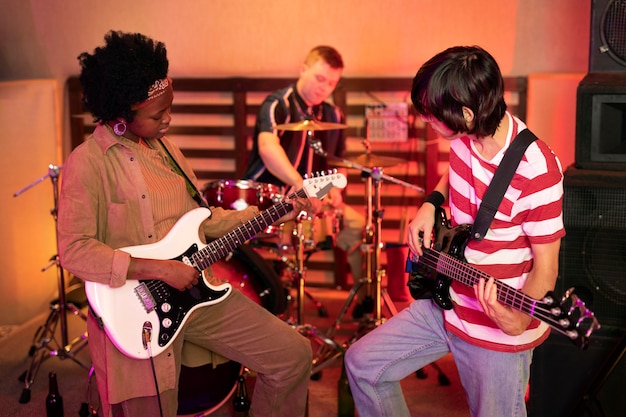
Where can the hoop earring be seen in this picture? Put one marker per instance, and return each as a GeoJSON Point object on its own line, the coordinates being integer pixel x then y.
{"type": "Point", "coordinates": [119, 128]}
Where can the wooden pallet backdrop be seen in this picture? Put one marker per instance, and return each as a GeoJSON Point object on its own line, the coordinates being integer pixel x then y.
{"type": "Point", "coordinates": [213, 121]}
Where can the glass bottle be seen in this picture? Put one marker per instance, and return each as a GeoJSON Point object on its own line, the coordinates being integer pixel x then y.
{"type": "Point", "coordinates": [54, 401]}
{"type": "Point", "coordinates": [241, 401]}
{"type": "Point", "coordinates": [345, 402]}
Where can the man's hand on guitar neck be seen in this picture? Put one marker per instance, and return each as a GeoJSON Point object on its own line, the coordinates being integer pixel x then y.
{"type": "Point", "coordinates": [510, 321]}
{"type": "Point", "coordinates": [311, 205]}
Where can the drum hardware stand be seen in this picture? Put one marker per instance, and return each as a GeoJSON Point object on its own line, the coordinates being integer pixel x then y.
{"type": "Point", "coordinates": [371, 247]}
{"type": "Point", "coordinates": [45, 335]}
{"type": "Point", "coordinates": [372, 243]}
{"type": "Point", "coordinates": [308, 330]}
{"type": "Point", "coordinates": [297, 239]}
{"type": "Point", "coordinates": [371, 239]}
{"type": "Point", "coordinates": [290, 270]}
{"type": "Point", "coordinates": [326, 344]}
{"type": "Point", "coordinates": [299, 268]}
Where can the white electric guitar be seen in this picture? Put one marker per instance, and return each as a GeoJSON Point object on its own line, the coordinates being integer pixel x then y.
{"type": "Point", "coordinates": [142, 318]}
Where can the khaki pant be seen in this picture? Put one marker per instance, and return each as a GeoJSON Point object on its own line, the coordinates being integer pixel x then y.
{"type": "Point", "coordinates": [242, 331]}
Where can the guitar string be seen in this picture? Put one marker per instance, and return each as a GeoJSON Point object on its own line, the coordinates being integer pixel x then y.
{"type": "Point", "coordinates": [465, 272]}
{"type": "Point", "coordinates": [215, 252]}
{"type": "Point", "coordinates": [570, 328]}
{"type": "Point", "coordinates": [584, 325]}
{"type": "Point", "coordinates": [160, 290]}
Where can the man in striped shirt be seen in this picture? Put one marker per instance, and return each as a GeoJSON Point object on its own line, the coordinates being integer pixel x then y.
{"type": "Point", "coordinates": [460, 93]}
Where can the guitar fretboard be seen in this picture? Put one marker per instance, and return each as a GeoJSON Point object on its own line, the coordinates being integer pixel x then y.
{"type": "Point", "coordinates": [467, 275]}
{"type": "Point", "coordinates": [220, 248]}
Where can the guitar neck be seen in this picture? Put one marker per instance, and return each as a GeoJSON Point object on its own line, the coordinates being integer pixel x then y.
{"type": "Point", "coordinates": [220, 248]}
{"type": "Point", "coordinates": [466, 274]}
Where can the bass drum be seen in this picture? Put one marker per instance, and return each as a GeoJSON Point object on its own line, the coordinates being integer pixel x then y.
{"type": "Point", "coordinates": [204, 389]}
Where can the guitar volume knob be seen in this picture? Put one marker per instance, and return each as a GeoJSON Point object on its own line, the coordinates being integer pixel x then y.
{"type": "Point", "coordinates": [167, 323]}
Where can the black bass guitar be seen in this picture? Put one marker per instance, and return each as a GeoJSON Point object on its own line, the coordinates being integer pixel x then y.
{"type": "Point", "coordinates": [431, 274]}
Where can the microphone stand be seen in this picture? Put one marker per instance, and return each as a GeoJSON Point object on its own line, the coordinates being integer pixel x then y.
{"type": "Point", "coordinates": [46, 333]}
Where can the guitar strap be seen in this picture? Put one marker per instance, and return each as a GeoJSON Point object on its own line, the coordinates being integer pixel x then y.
{"type": "Point", "coordinates": [193, 191]}
{"type": "Point", "coordinates": [500, 182]}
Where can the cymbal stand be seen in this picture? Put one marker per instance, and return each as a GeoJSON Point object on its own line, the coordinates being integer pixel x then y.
{"type": "Point", "coordinates": [371, 247]}
{"type": "Point", "coordinates": [297, 239]}
{"type": "Point", "coordinates": [299, 272]}
{"type": "Point", "coordinates": [372, 243]}
{"type": "Point", "coordinates": [374, 271]}
{"type": "Point", "coordinates": [45, 335]}
{"type": "Point", "coordinates": [374, 222]}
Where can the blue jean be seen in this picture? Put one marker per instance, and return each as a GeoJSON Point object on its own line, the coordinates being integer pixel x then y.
{"type": "Point", "coordinates": [494, 382]}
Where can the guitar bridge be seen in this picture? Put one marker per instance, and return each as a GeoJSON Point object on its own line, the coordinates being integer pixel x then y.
{"type": "Point", "coordinates": [145, 297]}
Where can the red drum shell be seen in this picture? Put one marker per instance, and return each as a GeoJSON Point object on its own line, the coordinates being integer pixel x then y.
{"type": "Point", "coordinates": [239, 194]}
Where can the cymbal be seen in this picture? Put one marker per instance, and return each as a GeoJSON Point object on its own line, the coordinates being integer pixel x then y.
{"type": "Point", "coordinates": [309, 124]}
{"type": "Point", "coordinates": [370, 161]}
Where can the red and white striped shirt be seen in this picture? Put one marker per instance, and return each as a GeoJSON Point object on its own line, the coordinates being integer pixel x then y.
{"type": "Point", "coordinates": [530, 212]}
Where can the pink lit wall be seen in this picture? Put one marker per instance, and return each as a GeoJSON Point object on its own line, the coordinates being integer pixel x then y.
{"type": "Point", "coordinates": [40, 39]}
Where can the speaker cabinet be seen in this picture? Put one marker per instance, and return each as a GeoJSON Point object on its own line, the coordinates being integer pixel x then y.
{"type": "Point", "coordinates": [608, 36]}
{"type": "Point", "coordinates": [601, 121]}
{"type": "Point", "coordinates": [568, 382]}
{"type": "Point", "coordinates": [564, 380]}
{"type": "Point", "coordinates": [593, 252]}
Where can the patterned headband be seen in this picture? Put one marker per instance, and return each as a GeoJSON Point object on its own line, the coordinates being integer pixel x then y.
{"type": "Point", "coordinates": [156, 90]}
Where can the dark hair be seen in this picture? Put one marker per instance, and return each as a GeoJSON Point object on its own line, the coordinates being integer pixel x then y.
{"type": "Point", "coordinates": [461, 76]}
{"type": "Point", "coordinates": [119, 74]}
{"type": "Point", "coordinates": [326, 53]}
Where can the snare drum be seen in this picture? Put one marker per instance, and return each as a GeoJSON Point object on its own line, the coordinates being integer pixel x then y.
{"type": "Point", "coordinates": [239, 194]}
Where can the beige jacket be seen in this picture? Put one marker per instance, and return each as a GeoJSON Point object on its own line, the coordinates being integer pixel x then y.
{"type": "Point", "coordinates": [117, 193]}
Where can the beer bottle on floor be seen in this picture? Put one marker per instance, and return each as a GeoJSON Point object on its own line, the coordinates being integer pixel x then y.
{"type": "Point", "coordinates": [54, 401]}
{"type": "Point", "coordinates": [345, 402]}
{"type": "Point", "coordinates": [241, 402]}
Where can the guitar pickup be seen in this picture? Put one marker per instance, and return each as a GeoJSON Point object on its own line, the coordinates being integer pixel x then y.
{"type": "Point", "coordinates": [145, 297]}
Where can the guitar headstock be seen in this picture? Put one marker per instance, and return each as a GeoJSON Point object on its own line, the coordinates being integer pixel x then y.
{"type": "Point", "coordinates": [573, 318]}
{"type": "Point", "coordinates": [320, 184]}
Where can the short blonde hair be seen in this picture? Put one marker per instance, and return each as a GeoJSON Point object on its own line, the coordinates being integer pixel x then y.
{"type": "Point", "coordinates": [326, 53]}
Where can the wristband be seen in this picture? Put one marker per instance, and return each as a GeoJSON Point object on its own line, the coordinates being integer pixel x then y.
{"type": "Point", "coordinates": [435, 198]}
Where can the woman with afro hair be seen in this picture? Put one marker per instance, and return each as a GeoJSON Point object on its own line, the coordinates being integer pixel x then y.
{"type": "Point", "coordinates": [120, 189]}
